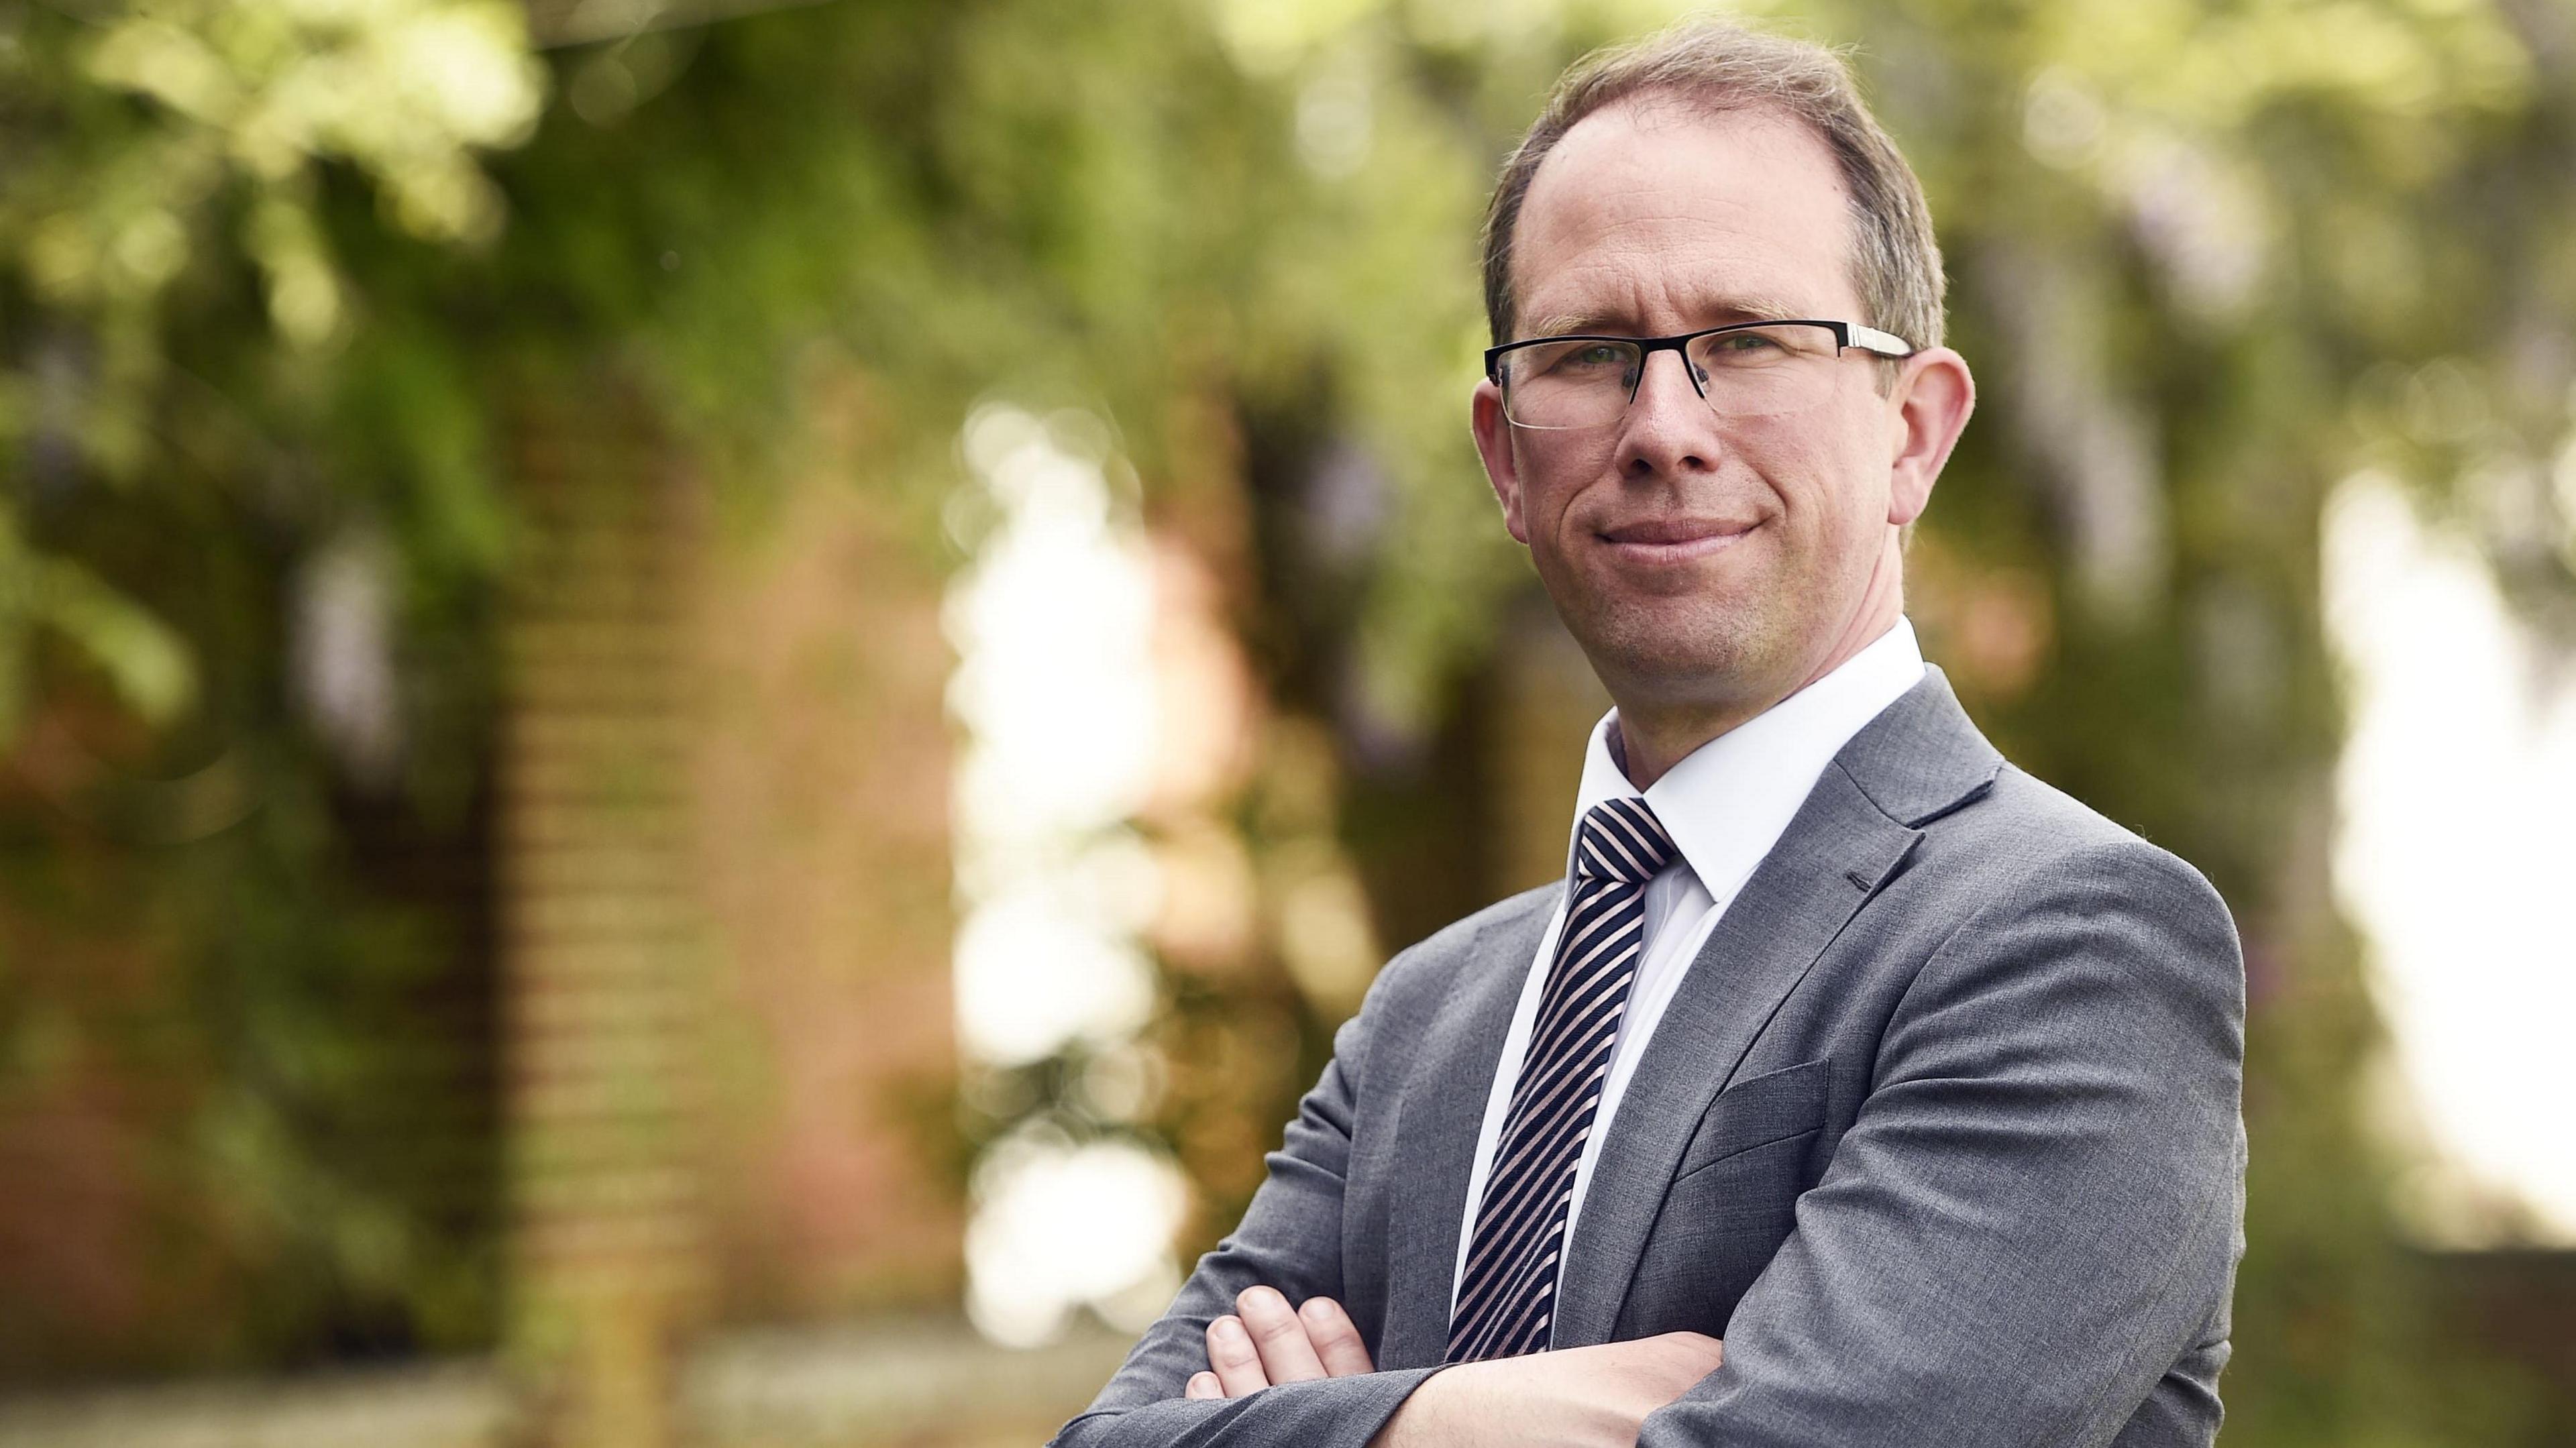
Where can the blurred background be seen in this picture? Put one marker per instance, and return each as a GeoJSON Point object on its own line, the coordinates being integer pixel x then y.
{"type": "Point", "coordinates": [705, 704]}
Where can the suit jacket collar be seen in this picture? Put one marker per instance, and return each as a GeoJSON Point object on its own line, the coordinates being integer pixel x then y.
{"type": "Point", "coordinates": [1922, 757]}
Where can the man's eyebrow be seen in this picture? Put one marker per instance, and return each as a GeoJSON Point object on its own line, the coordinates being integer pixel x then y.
{"type": "Point", "coordinates": [1722, 312]}
{"type": "Point", "coordinates": [1566, 323]}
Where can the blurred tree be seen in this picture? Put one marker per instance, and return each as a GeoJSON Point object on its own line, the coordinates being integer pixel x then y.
{"type": "Point", "coordinates": [229, 793]}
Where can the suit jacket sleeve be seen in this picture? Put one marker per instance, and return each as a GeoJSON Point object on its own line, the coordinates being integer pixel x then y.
{"type": "Point", "coordinates": [1290, 1239]}
{"type": "Point", "coordinates": [2036, 1210]}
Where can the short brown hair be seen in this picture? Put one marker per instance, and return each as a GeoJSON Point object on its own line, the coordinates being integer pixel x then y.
{"type": "Point", "coordinates": [1896, 264]}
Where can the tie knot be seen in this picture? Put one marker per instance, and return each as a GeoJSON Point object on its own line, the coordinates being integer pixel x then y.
{"type": "Point", "coordinates": [1622, 840]}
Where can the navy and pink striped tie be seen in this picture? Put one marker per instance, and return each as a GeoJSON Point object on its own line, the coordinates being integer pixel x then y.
{"type": "Point", "coordinates": [1507, 1295]}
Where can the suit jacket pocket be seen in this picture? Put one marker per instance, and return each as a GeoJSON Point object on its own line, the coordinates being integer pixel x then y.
{"type": "Point", "coordinates": [1768, 1108]}
{"type": "Point", "coordinates": [1732, 1202]}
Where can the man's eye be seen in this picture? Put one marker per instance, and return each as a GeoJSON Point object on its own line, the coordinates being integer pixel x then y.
{"type": "Point", "coordinates": [1593, 358]}
{"type": "Point", "coordinates": [1744, 342]}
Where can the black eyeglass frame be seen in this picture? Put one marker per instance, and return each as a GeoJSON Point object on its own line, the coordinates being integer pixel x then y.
{"type": "Point", "coordinates": [1847, 335]}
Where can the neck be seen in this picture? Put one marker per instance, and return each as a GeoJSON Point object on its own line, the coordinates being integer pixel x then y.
{"type": "Point", "coordinates": [1654, 734]}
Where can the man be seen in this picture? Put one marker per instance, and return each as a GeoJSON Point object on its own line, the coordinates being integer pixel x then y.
{"type": "Point", "coordinates": [1855, 1087]}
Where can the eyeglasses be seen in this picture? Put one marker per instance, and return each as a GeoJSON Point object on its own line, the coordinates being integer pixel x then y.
{"type": "Point", "coordinates": [1748, 369]}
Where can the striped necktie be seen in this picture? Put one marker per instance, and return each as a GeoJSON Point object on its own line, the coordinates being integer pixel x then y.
{"type": "Point", "coordinates": [1507, 1295]}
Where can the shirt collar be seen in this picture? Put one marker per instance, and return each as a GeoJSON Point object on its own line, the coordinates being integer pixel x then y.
{"type": "Point", "coordinates": [1727, 802]}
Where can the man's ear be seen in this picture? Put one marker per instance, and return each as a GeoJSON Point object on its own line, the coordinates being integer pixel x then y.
{"type": "Point", "coordinates": [1930, 403]}
{"type": "Point", "coordinates": [1494, 445]}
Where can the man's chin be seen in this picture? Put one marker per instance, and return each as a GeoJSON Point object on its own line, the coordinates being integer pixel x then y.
{"type": "Point", "coordinates": [1699, 648]}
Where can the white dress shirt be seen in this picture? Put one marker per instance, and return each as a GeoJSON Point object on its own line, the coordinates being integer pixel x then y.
{"type": "Point", "coordinates": [1725, 805]}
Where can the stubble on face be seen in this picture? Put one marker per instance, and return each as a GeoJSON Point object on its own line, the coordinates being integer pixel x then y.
{"type": "Point", "coordinates": [1706, 565]}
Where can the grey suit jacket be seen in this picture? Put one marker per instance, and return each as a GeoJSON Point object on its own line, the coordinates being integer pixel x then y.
{"type": "Point", "coordinates": [1940, 1134]}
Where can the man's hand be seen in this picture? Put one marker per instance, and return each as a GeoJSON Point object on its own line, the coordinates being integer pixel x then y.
{"type": "Point", "coordinates": [1566, 1399]}
{"type": "Point", "coordinates": [1269, 1342]}
{"type": "Point", "coordinates": [1571, 1398]}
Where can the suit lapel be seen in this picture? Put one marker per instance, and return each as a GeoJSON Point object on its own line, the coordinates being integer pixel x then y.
{"type": "Point", "coordinates": [1918, 759]}
{"type": "Point", "coordinates": [1828, 862]}
{"type": "Point", "coordinates": [1436, 1127]}
{"type": "Point", "coordinates": [1921, 757]}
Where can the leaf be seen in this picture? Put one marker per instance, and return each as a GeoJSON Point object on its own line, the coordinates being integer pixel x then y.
{"type": "Point", "coordinates": [146, 660]}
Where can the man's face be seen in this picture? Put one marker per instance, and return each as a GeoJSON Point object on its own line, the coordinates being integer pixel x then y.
{"type": "Point", "coordinates": [1700, 560]}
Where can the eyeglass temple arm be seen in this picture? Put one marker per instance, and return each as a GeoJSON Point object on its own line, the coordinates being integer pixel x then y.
{"type": "Point", "coordinates": [1884, 343]}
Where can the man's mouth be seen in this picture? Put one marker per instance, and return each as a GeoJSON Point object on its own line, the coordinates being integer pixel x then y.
{"type": "Point", "coordinates": [1672, 540]}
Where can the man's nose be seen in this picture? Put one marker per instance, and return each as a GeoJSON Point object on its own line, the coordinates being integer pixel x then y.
{"type": "Point", "coordinates": [1669, 428]}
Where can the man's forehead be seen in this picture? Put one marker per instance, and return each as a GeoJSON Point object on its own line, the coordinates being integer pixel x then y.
{"type": "Point", "coordinates": [1715, 306]}
{"type": "Point", "coordinates": [1731, 215]}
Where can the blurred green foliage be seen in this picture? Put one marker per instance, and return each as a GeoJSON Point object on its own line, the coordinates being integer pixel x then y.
{"type": "Point", "coordinates": [277, 278]}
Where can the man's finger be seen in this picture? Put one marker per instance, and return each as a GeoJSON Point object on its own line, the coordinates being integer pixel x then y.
{"type": "Point", "coordinates": [1237, 1364]}
{"type": "Point", "coordinates": [1203, 1385]}
{"type": "Point", "coordinates": [1286, 1355]}
{"type": "Point", "coordinates": [1336, 1340]}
